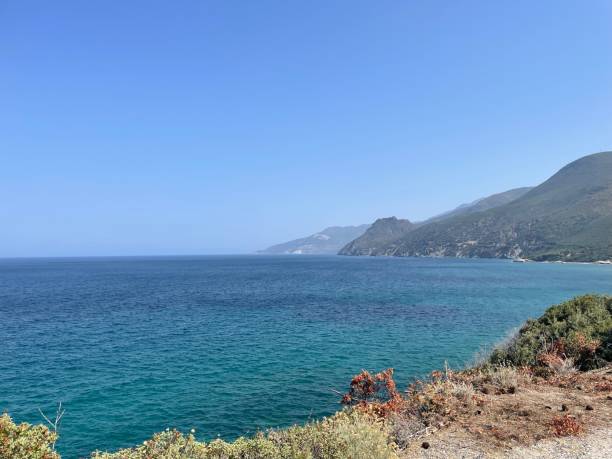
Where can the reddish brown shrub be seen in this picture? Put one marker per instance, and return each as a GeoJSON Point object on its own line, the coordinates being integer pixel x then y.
{"type": "Point", "coordinates": [377, 393]}
{"type": "Point", "coordinates": [575, 349]}
{"type": "Point", "coordinates": [567, 425]}
{"type": "Point", "coordinates": [584, 344]}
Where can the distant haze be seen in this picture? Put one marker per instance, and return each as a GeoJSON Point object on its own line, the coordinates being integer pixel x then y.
{"type": "Point", "coordinates": [138, 128]}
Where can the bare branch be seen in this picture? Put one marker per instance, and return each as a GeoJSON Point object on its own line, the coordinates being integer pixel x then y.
{"type": "Point", "coordinates": [58, 418]}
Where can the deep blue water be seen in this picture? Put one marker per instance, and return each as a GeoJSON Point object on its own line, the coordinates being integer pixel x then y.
{"type": "Point", "coordinates": [228, 345]}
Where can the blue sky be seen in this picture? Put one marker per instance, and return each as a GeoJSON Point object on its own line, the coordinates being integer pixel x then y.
{"type": "Point", "coordinates": [149, 127]}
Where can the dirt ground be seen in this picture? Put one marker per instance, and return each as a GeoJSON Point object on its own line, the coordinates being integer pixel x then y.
{"type": "Point", "coordinates": [558, 417]}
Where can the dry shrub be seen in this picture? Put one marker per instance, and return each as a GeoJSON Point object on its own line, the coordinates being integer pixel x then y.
{"type": "Point", "coordinates": [561, 366]}
{"type": "Point", "coordinates": [549, 359]}
{"type": "Point", "coordinates": [404, 429]}
{"type": "Point", "coordinates": [563, 354]}
{"type": "Point", "coordinates": [505, 378]}
{"type": "Point", "coordinates": [463, 391]}
{"type": "Point", "coordinates": [567, 425]}
{"type": "Point", "coordinates": [445, 398]}
{"type": "Point", "coordinates": [376, 394]}
{"type": "Point", "coordinates": [580, 347]}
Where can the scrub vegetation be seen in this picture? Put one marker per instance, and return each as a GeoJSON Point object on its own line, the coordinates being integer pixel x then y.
{"type": "Point", "coordinates": [578, 331]}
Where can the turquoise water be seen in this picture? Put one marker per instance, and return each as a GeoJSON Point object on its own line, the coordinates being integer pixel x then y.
{"type": "Point", "coordinates": [228, 345]}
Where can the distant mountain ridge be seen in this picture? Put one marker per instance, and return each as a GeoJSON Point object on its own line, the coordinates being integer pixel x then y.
{"type": "Point", "coordinates": [326, 242]}
{"type": "Point", "coordinates": [568, 218]}
{"type": "Point", "coordinates": [385, 231]}
{"type": "Point", "coordinates": [368, 239]}
{"type": "Point", "coordinates": [482, 204]}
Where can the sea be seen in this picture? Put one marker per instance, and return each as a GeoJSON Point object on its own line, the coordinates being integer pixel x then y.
{"type": "Point", "coordinates": [229, 345]}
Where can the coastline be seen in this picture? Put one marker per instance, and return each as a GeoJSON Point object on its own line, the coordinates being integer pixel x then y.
{"type": "Point", "coordinates": [598, 262]}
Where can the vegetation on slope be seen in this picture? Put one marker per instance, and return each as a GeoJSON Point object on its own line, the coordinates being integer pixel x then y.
{"type": "Point", "coordinates": [480, 205]}
{"type": "Point", "coordinates": [26, 441]}
{"type": "Point", "coordinates": [385, 231]}
{"type": "Point", "coordinates": [559, 220]}
{"type": "Point", "coordinates": [579, 330]}
{"type": "Point", "coordinates": [529, 389]}
{"type": "Point", "coordinates": [346, 435]}
{"type": "Point", "coordinates": [567, 218]}
{"type": "Point", "coordinates": [382, 232]}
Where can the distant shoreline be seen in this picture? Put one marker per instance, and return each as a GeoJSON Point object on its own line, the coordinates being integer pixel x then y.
{"type": "Point", "coordinates": [598, 262]}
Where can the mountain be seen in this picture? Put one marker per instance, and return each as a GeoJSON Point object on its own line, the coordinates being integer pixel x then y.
{"type": "Point", "coordinates": [568, 217]}
{"type": "Point", "coordinates": [385, 231]}
{"type": "Point", "coordinates": [328, 241]}
{"type": "Point", "coordinates": [382, 232]}
{"type": "Point", "coordinates": [482, 204]}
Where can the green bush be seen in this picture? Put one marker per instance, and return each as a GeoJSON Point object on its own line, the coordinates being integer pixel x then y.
{"type": "Point", "coordinates": [25, 441]}
{"type": "Point", "coordinates": [346, 435]}
{"type": "Point", "coordinates": [586, 317]}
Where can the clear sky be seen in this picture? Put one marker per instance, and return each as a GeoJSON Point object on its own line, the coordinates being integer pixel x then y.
{"type": "Point", "coordinates": [150, 127]}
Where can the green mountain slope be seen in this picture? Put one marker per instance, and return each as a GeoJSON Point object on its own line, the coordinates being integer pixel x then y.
{"type": "Point", "coordinates": [382, 232]}
{"type": "Point", "coordinates": [568, 217]}
{"type": "Point", "coordinates": [483, 204]}
{"type": "Point", "coordinates": [385, 231]}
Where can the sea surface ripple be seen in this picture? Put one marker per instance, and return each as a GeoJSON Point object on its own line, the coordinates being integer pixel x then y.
{"type": "Point", "coordinates": [232, 344]}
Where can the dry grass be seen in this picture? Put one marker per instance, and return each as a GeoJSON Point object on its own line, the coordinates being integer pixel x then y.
{"type": "Point", "coordinates": [505, 378]}
{"type": "Point", "coordinates": [464, 392]}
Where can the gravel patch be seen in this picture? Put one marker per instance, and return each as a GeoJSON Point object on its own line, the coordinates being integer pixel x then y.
{"type": "Point", "coordinates": [596, 445]}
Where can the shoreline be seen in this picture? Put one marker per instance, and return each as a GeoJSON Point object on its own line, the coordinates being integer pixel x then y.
{"type": "Point", "coordinates": [561, 262]}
